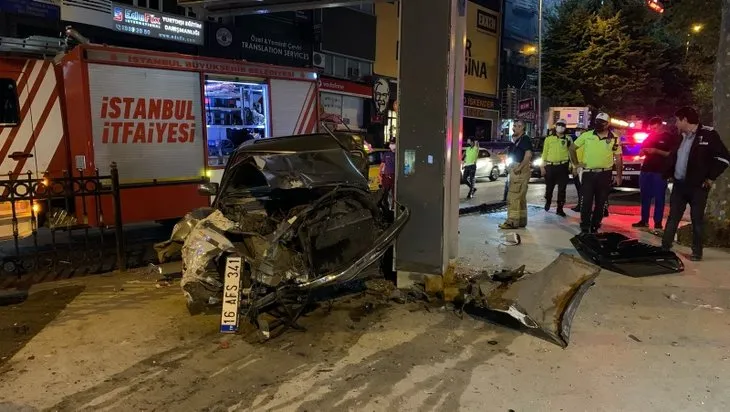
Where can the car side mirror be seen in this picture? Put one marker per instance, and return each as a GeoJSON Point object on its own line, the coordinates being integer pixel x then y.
{"type": "Point", "coordinates": [208, 189]}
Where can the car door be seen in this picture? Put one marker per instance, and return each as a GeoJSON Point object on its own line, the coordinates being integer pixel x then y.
{"type": "Point", "coordinates": [484, 163]}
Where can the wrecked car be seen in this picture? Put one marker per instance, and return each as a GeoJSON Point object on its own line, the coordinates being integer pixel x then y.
{"type": "Point", "coordinates": [292, 216]}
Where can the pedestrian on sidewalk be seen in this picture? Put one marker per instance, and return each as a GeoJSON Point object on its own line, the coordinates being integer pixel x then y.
{"type": "Point", "coordinates": [555, 168]}
{"type": "Point", "coordinates": [601, 151]}
{"type": "Point", "coordinates": [652, 182]}
{"type": "Point", "coordinates": [387, 171]}
{"type": "Point", "coordinates": [469, 157]}
{"type": "Point", "coordinates": [519, 171]}
{"type": "Point", "coordinates": [696, 161]}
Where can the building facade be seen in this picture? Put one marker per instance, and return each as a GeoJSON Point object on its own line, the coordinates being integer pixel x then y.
{"type": "Point", "coordinates": [481, 69]}
{"type": "Point", "coordinates": [518, 84]}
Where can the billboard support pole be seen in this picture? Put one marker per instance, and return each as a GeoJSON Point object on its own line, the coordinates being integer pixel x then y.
{"type": "Point", "coordinates": [538, 115]}
{"type": "Point", "coordinates": [429, 134]}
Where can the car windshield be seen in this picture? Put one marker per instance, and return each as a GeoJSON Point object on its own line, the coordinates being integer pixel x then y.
{"type": "Point", "coordinates": [265, 171]}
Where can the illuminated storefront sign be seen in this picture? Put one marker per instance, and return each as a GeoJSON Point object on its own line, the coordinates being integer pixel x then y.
{"type": "Point", "coordinates": [158, 25]}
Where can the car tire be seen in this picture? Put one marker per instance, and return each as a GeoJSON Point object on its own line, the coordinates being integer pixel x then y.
{"type": "Point", "coordinates": [494, 174]}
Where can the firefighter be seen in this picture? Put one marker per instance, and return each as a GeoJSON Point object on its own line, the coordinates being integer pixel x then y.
{"type": "Point", "coordinates": [601, 151]}
{"type": "Point", "coordinates": [469, 157]}
{"type": "Point", "coordinates": [555, 168]}
{"type": "Point", "coordinates": [519, 177]}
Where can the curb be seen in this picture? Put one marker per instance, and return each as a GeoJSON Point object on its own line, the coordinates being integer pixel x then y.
{"type": "Point", "coordinates": [483, 208]}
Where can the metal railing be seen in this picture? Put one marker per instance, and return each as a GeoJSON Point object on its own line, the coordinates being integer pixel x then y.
{"type": "Point", "coordinates": [38, 209]}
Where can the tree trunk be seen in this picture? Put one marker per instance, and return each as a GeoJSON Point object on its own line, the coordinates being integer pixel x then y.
{"type": "Point", "coordinates": [717, 228]}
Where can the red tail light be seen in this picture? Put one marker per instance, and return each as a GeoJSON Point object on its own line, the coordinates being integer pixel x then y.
{"type": "Point", "coordinates": [640, 136]}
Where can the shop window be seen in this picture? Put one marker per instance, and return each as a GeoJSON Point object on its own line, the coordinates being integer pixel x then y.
{"type": "Point", "coordinates": [353, 69]}
{"type": "Point", "coordinates": [391, 127]}
{"type": "Point", "coordinates": [365, 7]}
{"type": "Point", "coordinates": [127, 2]}
{"type": "Point", "coordinates": [329, 65]}
{"type": "Point", "coordinates": [235, 112]}
{"type": "Point", "coordinates": [340, 66]}
{"type": "Point", "coordinates": [352, 112]}
{"type": "Point", "coordinates": [366, 69]}
{"type": "Point", "coordinates": [9, 113]}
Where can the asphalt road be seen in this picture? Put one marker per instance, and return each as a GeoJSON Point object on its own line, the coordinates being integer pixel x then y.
{"type": "Point", "coordinates": [489, 192]}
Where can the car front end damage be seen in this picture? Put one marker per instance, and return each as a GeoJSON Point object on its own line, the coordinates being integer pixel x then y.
{"type": "Point", "coordinates": [284, 225]}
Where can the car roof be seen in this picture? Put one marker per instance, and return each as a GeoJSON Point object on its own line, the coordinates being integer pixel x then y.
{"type": "Point", "coordinates": [304, 143]}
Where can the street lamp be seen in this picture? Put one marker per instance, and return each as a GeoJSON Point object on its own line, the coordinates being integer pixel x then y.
{"type": "Point", "coordinates": [696, 28]}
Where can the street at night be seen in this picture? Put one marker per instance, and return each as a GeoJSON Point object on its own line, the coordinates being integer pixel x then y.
{"type": "Point", "coordinates": [301, 205]}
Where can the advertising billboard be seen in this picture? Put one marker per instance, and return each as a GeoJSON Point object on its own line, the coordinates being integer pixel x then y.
{"type": "Point", "coordinates": [151, 23]}
{"type": "Point", "coordinates": [481, 63]}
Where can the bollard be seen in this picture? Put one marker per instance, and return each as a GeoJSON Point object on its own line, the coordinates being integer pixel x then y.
{"type": "Point", "coordinates": [118, 225]}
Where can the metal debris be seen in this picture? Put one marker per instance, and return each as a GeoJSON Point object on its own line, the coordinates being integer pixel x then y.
{"type": "Point", "coordinates": [542, 304]}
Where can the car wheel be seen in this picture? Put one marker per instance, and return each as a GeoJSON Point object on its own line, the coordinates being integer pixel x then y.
{"type": "Point", "coordinates": [494, 174]}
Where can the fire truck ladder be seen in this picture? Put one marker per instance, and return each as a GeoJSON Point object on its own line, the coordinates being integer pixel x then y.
{"type": "Point", "coordinates": [33, 46]}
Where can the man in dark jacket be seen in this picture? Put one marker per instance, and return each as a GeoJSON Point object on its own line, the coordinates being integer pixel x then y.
{"type": "Point", "coordinates": [695, 162]}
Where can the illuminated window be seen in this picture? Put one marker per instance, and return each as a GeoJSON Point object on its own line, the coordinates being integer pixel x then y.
{"type": "Point", "coordinates": [9, 113]}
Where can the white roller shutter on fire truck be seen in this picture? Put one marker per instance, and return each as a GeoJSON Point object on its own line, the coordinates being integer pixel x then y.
{"type": "Point", "coordinates": [149, 121]}
{"type": "Point", "coordinates": [293, 106]}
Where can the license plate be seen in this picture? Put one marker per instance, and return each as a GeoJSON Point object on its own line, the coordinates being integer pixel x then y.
{"type": "Point", "coordinates": [231, 295]}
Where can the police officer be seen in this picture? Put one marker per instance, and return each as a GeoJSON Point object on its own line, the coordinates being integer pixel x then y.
{"type": "Point", "coordinates": [575, 171]}
{"type": "Point", "coordinates": [601, 151]}
{"type": "Point", "coordinates": [555, 167]}
{"type": "Point", "coordinates": [519, 178]}
{"type": "Point", "coordinates": [471, 153]}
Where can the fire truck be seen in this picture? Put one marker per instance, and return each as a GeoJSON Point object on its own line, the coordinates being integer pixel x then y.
{"type": "Point", "coordinates": [167, 120]}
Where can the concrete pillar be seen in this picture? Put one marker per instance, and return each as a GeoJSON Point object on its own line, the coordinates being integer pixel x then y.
{"type": "Point", "coordinates": [430, 97]}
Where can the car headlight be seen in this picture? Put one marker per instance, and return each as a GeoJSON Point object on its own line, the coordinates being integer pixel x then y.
{"type": "Point", "coordinates": [508, 161]}
{"type": "Point", "coordinates": [537, 162]}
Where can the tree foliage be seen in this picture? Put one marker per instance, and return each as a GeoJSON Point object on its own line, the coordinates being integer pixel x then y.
{"type": "Point", "coordinates": [699, 48]}
{"type": "Point", "coordinates": [614, 56]}
{"type": "Point", "coordinates": [719, 203]}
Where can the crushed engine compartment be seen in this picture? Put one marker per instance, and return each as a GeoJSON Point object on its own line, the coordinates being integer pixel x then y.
{"type": "Point", "coordinates": [289, 243]}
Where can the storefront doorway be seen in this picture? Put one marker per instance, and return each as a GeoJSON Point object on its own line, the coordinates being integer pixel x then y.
{"type": "Point", "coordinates": [235, 111]}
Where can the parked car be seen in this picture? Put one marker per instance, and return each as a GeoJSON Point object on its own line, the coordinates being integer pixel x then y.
{"type": "Point", "coordinates": [375, 159]}
{"type": "Point", "coordinates": [488, 166]}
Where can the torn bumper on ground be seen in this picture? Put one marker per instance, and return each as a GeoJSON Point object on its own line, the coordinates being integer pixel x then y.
{"type": "Point", "coordinates": [542, 304]}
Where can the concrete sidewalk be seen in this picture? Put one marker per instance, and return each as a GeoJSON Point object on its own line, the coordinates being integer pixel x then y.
{"type": "Point", "coordinates": [651, 344]}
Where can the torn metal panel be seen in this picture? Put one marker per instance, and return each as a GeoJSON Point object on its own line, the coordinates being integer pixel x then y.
{"type": "Point", "coordinates": [203, 246]}
{"type": "Point", "coordinates": [620, 254]}
{"type": "Point", "coordinates": [542, 304]}
{"type": "Point", "coordinates": [170, 249]}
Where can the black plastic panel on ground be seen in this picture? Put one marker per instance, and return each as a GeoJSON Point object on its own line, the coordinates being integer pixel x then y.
{"type": "Point", "coordinates": [620, 254]}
